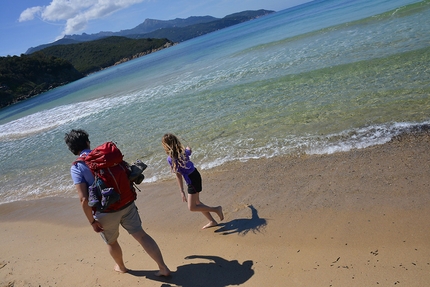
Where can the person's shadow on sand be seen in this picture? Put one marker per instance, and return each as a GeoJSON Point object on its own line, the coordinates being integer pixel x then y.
{"type": "Point", "coordinates": [217, 273]}
{"type": "Point", "coordinates": [243, 225]}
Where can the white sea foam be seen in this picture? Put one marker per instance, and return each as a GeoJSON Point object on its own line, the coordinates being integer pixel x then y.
{"type": "Point", "coordinates": [49, 119]}
{"type": "Point", "coordinates": [312, 144]}
{"type": "Point", "coordinates": [359, 138]}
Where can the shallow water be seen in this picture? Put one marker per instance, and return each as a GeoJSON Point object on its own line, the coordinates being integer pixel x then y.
{"type": "Point", "coordinates": [323, 77]}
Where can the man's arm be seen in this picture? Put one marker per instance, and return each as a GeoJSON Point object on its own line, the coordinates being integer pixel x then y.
{"type": "Point", "coordinates": [88, 211]}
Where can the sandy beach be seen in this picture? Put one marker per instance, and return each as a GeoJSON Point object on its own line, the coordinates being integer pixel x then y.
{"type": "Point", "coordinates": [358, 218]}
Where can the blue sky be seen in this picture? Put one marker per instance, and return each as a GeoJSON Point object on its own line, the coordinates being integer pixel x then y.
{"type": "Point", "coordinates": [30, 23]}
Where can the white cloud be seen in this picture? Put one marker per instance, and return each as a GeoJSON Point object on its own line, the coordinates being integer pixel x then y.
{"type": "Point", "coordinates": [75, 13]}
{"type": "Point", "coordinates": [29, 13]}
{"type": "Point", "coordinates": [77, 23]}
{"type": "Point", "coordinates": [63, 10]}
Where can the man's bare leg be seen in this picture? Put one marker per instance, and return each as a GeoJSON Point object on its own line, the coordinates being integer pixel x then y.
{"type": "Point", "coordinates": [151, 247]}
{"type": "Point", "coordinates": [116, 253]}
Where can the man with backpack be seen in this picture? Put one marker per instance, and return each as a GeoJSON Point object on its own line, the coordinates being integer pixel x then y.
{"type": "Point", "coordinates": [124, 211]}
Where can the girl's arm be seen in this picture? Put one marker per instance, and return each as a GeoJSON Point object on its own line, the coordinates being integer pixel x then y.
{"type": "Point", "coordinates": [181, 186]}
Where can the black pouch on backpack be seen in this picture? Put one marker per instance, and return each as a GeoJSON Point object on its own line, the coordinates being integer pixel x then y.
{"type": "Point", "coordinates": [100, 196]}
{"type": "Point", "coordinates": [136, 174]}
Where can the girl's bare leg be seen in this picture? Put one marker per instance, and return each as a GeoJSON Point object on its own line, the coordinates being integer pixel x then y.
{"type": "Point", "coordinates": [194, 204]}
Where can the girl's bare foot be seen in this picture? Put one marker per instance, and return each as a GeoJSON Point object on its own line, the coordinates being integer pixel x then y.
{"type": "Point", "coordinates": [210, 224]}
{"type": "Point", "coordinates": [219, 212]}
{"type": "Point", "coordinates": [163, 272]}
{"type": "Point", "coordinates": [120, 270]}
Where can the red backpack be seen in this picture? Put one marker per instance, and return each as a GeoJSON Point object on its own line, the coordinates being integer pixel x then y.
{"type": "Point", "coordinates": [112, 190]}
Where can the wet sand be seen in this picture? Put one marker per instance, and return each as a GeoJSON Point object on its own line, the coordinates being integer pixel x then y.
{"type": "Point", "coordinates": [358, 218]}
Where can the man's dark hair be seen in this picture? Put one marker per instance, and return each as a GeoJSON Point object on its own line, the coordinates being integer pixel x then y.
{"type": "Point", "coordinates": [77, 141]}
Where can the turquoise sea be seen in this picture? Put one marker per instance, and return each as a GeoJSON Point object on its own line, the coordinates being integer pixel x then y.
{"type": "Point", "coordinates": [322, 77]}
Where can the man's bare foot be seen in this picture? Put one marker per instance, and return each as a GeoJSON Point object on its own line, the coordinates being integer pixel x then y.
{"type": "Point", "coordinates": [120, 270]}
{"type": "Point", "coordinates": [163, 272]}
{"type": "Point", "coordinates": [210, 224]}
{"type": "Point", "coordinates": [219, 212]}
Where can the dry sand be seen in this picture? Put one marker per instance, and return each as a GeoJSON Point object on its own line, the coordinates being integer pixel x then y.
{"type": "Point", "coordinates": [359, 218]}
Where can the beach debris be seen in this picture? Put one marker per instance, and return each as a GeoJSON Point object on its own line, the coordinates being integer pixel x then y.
{"type": "Point", "coordinates": [335, 262]}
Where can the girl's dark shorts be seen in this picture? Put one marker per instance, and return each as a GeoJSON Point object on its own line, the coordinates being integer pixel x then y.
{"type": "Point", "coordinates": [196, 182]}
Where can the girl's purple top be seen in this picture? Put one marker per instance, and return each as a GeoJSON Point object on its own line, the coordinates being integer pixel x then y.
{"type": "Point", "coordinates": [189, 166]}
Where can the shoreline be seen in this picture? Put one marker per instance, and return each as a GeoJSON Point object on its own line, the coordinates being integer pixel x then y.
{"type": "Point", "coordinates": [356, 218]}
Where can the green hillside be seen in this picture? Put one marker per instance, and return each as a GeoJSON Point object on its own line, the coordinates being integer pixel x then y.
{"type": "Point", "coordinates": [90, 57]}
{"type": "Point", "coordinates": [29, 75]}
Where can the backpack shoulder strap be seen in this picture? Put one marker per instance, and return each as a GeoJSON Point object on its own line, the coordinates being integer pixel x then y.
{"type": "Point", "coordinates": [81, 158]}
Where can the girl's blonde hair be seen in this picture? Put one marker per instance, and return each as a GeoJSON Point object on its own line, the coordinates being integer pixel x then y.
{"type": "Point", "coordinates": [175, 150]}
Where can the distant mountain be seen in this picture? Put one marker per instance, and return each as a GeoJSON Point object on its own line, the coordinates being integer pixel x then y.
{"type": "Point", "coordinates": [63, 41]}
{"type": "Point", "coordinates": [147, 26]}
{"type": "Point", "coordinates": [177, 30]}
{"type": "Point", "coordinates": [180, 34]}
